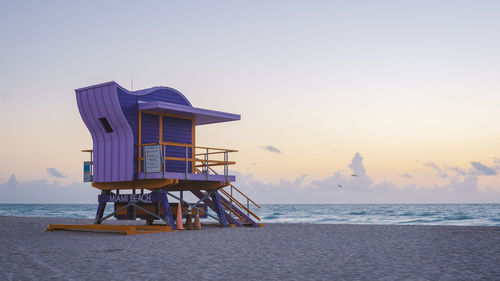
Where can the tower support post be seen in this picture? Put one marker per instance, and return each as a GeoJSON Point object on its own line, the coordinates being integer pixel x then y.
{"type": "Point", "coordinates": [218, 208]}
{"type": "Point", "coordinates": [100, 209]}
{"type": "Point", "coordinates": [165, 205]}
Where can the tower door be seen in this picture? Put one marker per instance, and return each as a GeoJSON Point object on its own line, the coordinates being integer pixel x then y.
{"type": "Point", "coordinates": [178, 135]}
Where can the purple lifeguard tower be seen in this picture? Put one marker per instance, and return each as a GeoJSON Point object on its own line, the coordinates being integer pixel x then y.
{"type": "Point", "coordinates": [144, 151]}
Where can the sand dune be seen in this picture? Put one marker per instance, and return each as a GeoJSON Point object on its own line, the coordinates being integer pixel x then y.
{"type": "Point", "coordinates": [275, 252]}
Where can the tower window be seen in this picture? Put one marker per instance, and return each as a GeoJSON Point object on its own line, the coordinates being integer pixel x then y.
{"type": "Point", "coordinates": [105, 124]}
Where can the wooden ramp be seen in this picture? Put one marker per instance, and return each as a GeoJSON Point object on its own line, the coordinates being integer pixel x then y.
{"type": "Point", "coordinates": [122, 229]}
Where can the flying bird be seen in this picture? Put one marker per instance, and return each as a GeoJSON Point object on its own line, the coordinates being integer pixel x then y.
{"type": "Point", "coordinates": [354, 175]}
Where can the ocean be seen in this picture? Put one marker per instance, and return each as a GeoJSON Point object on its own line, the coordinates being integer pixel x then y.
{"type": "Point", "coordinates": [405, 214]}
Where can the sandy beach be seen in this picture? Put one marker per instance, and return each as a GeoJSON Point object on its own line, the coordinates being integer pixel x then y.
{"type": "Point", "coordinates": [274, 252]}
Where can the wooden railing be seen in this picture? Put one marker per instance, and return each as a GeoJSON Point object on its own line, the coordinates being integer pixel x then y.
{"type": "Point", "coordinates": [198, 156]}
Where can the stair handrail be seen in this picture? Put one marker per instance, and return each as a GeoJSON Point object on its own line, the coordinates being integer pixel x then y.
{"type": "Point", "coordinates": [233, 212]}
{"type": "Point", "coordinates": [239, 204]}
{"type": "Point", "coordinates": [244, 195]}
{"type": "Point", "coordinates": [231, 199]}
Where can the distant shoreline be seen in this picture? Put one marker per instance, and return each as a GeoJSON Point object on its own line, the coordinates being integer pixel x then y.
{"type": "Point", "coordinates": [369, 214]}
{"type": "Point", "coordinates": [142, 222]}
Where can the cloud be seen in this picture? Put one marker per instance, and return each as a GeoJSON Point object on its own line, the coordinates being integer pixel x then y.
{"type": "Point", "coordinates": [300, 180]}
{"type": "Point", "coordinates": [483, 169]}
{"type": "Point", "coordinates": [53, 172]}
{"type": "Point", "coordinates": [497, 161]}
{"type": "Point", "coordinates": [457, 171]}
{"type": "Point", "coordinates": [406, 175]}
{"type": "Point", "coordinates": [461, 187]}
{"type": "Point", "coordinates": [12, 180]}
{"type": "Point", "coordinates": [357, 166]}
{"type": "Point", "coordinates": [271, 148]}
{"type": "Point", "coordinates": [361, 189]}
{"type": "Point", "coordinates": [438, 169]}
{"type": "Point", "coordinates": [43, 191]}
{"type": "Point", "coordinates": [358, 183]}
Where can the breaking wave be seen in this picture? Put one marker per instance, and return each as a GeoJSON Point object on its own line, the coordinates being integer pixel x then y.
{"type": "Point", "coordinates": [405, 214]}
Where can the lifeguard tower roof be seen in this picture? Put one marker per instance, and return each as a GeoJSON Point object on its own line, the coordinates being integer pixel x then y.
{"type": "Point", "coordinates": [170, 101]}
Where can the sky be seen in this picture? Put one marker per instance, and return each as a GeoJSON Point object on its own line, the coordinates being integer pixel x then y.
{"type": "Point", "coordinates": [403, 95]}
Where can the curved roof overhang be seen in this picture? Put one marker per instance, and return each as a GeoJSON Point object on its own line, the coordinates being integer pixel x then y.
{"type": "Point", "coordinates": [202, 116]}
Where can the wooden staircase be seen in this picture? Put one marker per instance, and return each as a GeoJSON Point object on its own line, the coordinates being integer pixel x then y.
{"type": "Point", "coordinates": [235, 212]}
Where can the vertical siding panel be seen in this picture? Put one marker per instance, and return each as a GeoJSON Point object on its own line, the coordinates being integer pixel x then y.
{"type": "Point", "coordinates": [110, 165]}
{"type": "Point", "coordinates": [113, 152]}
{"type": "Point", "coordinates": [105, 152]}
{"type": "Point", "coordinates": [82, 105]}
{"type": "Point", "coordinates": [115, 136]}
{"type": "Point", "coordinates": [80, 101]}
{"type": "Point", "coordinates": [99, 151]}
{"type": "Point", "coordinates": [108, 145]}
{"type": "Point", "coordinates": [128, 104]}
{"type": "Point", "coordinates": [89, 111]}
{"type": "Point", "coordinates": [126, 143]}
